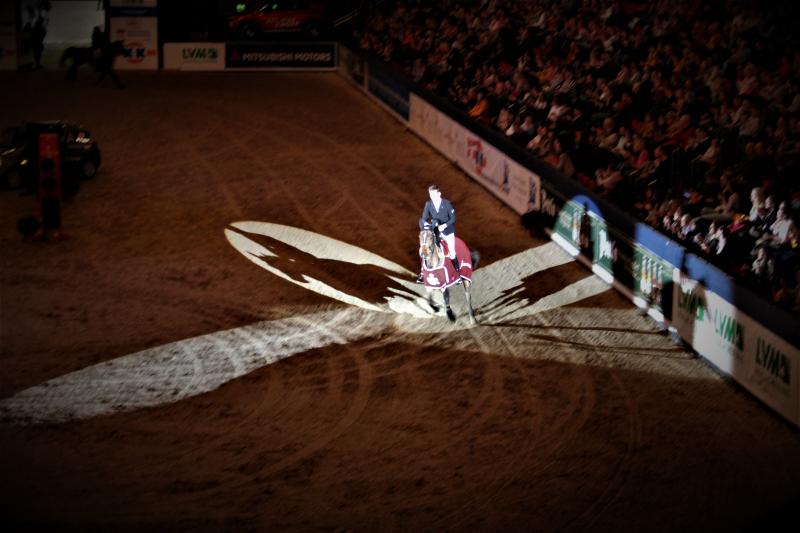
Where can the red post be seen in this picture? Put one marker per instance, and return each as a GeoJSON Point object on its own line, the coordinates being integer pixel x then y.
{"type": "Point", "coordinates": [50, 184]}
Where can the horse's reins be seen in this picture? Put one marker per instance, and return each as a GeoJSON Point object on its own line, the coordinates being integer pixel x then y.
{"type": "Point", "coordinates": [429, 244]}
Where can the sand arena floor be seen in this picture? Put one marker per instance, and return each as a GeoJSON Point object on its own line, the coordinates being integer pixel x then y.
{"type": "Point", "coordinates": [156, 373]}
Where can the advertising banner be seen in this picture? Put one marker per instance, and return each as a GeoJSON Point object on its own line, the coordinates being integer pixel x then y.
{"type": "Point", "coordinates": [194, 56]}
{"type": "Point", "coordinates": [8, 37]}
{"type": "Point", "coordinates": [604, 245]}
{"type": "Point", "coordinates": [650, 275]}
{"type": "Point", "coordinates": [515, 185]}
{"type": "Point", "coordinates": [572, 225]}
{"type": "Point", "coordinates": [581, 231]}
{"type": "Point", "coordinates": [280, 56]}
{"type": "Point", "coordinates": [761, 361]}
{"type": "Point", "coordinates": [135, 22]}
{"type": "Point", "coordinates": [439, 130]}
{"type": "Point", "coordinates": [133, 8]}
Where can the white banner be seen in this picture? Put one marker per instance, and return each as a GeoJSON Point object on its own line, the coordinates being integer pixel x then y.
{"type": "Point", "coordinates": [762, 362]}
{"type": "Point", "coordinates": [194, 56]}
{"type": "Point", "coordinates": [516, 186]}
{"type": "Point", "coordinates": [140, 35]}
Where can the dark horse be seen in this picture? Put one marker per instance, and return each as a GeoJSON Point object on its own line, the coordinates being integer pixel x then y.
{"type": "Point", "coordinates": [439, 273]}
{"type": "Point", "coordinates": [101, 60]}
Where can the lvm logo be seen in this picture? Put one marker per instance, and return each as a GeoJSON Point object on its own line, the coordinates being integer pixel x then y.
{"type": "Point", "coordinates": [728, 329]}
{"type": "Point", "coordinates": [200, 54]}
{"type": "Point", "coordinates": [692, 303]}
{"type": "Point", "coordinates": [773, 361]}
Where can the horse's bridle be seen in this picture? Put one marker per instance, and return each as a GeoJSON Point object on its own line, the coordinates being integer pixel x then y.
{"type": "Point", "coordinates": [428, 246]}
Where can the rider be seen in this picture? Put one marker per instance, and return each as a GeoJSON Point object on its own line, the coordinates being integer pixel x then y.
{"type": "Point", "coordinates": [440, 215]}
{"type": "Point", "coordinates": [99, 42]}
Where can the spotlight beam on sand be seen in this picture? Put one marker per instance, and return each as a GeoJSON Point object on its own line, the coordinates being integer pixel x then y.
{"type": "Point", "coordinates": [189, 367]}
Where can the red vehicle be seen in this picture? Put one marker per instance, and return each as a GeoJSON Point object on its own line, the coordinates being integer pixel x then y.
{"type": "Point", "coordinates": [261, 17]}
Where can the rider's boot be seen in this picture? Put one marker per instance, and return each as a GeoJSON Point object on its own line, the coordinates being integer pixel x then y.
{"type": "Point", "coordinates": [419, 278]}
{"type": "Point", "coordinates": [458, 270]}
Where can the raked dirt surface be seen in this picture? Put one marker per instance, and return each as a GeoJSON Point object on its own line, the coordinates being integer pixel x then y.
{"type": "Point", "coordinates": [229, 341]}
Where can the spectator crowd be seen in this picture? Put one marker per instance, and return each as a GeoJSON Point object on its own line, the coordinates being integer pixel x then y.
{"type": "Point", "coordinates": [686, 114]}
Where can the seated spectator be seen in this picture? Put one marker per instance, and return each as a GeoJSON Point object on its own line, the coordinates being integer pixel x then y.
{"type": "Point", "coordinates": [481, 106]}
{"type": "Point", "coordinates": [786, 292]}
{"type": "Point", "coordinates": [782, 232]}
{"type": "Point", "coordinates": [527, 128]}
{"type": "Point", "coordinates": [708, 242]}
{"type": "Point", "coordinates": [757, 207]}
{"type": "Point", "coordinates": [607, 136]}
{"type": "Point", "coordinates": [504, 120]}
{"type": "Point", "coordinates": [623, 146]}
{"type": "Point", "coordinates": [540, 144]}
{"type": "Point", "coordinates": [607, 180]}
{"type": "Point", "coordinates": [723, 253]}
{"type": "Point", "coordinates": [671, 220]}
{"type": "Point", "coordinates": [728, 199]}
{"type": "Point", "coordinates": [687, 229]}
{"type": "Point", "coordinates": [561, 160]}
{"type": "Point", "coordinates": [650, 202]}
{"type": "Point", "coordinates": [762, 269]}
{"type": "Point", "coordinates": [762, 219]}
{"type": "Point", "coordinates": [639, 156]}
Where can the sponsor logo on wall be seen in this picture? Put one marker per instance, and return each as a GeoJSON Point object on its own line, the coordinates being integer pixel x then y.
{"type": "Point", "coordinates": [281, 55]}
{"type": "Point", "coordinates": [761, 361]}
{"type": "Point", "coordinates": [515, 185]}
{"type": "Point", "coordinates": [476, 156]}
{"type": "Point", "coordinates": [773, 365]}
{"type": "Point", "coordinates": [135, 22]}
{"type": "Point", "coordinates": [194, 56]}
{"type": "Point", "coordinates": [199, 54]}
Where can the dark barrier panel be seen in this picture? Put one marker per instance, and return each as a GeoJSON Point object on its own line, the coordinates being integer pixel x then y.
{"type": "Point", "coordinates": [353, 65]}
{"type": "Point", "coordinates": [389, 87]}
{"type": "Point", "coordinates": [644, 267]}
{"type": "Point", "coordinates": [280, 55]}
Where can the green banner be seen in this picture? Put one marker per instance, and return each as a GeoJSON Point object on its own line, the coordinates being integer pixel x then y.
{"type": "Point", "coordinates": [568, 223]}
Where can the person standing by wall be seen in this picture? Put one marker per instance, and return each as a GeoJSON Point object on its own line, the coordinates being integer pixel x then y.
{"type": "Point", "coordinates": [37, 42]}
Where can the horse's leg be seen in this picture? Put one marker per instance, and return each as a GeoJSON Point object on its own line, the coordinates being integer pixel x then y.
{"type": "Point", "coordinates": [433, 305]}
{"type": "Point", "coordinates": [450, 315]}
{"type": "Point", "coordinates": [72, 71]}
{"type": "Point", "coordinates": [115, 78]}
{"type": "Point", "coordinates": [472, 319]}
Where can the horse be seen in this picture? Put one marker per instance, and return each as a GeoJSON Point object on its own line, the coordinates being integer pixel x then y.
{"type": "Point", "coordinates": [439, 274]}
{"type": "Point", "coordinates": [101, 59]}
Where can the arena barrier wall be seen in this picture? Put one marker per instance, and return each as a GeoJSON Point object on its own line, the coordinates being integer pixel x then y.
{"type": "Point", "coordinates": [737, 331]}
{"type": "Point", "coordinates": [250, 56]}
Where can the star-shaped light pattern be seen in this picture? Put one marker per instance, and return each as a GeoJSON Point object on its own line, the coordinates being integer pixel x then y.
{"type": "Point", "coordinates": [385, 302]}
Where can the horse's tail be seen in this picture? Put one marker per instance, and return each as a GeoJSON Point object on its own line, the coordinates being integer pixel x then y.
{"type": "Point", "coordinates": [476, 257]}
